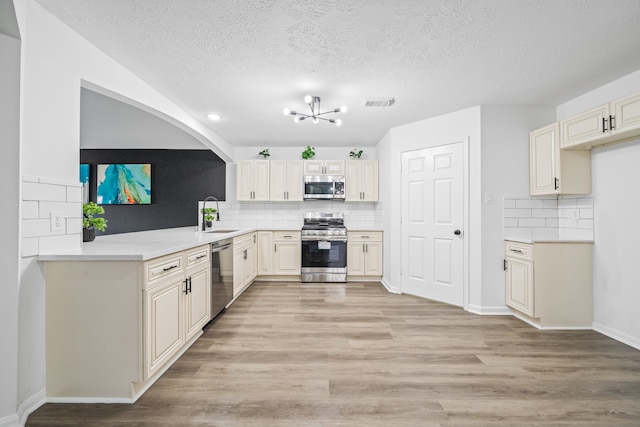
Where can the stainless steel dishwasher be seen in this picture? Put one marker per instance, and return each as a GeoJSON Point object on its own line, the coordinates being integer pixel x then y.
{"type": "Point", "coordinates": [221, 275]}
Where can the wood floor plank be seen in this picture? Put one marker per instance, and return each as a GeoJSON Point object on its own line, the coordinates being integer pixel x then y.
{"type": "Point", "coordinates": [293, 354]}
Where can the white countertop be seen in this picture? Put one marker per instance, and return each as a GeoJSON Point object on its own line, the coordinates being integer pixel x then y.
{"type": "Point", "coordinates": [545, 240]}
{"type": "Point", "coordinates": [141, 245]}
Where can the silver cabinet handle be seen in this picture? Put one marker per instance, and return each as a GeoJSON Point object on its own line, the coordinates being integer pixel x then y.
{"type": "Point", "coordinates": [171, 267]}
{"type": "Point", "coordinates": [363, 251]}
{"type": "Point", "coordinates": [518, 251]}
{"type": "Point", "coordinates": [275, 247]}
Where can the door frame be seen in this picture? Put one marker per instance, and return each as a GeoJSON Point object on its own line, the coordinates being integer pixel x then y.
{"type": "Point", "coordinates": [466, 294]}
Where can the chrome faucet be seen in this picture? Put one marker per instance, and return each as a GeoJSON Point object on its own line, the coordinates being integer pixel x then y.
{"type": "Point", "coordinates": [204, 204]}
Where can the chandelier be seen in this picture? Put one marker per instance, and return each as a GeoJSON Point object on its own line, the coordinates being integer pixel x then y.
{"type": "Point", "coordinates": [314, 104]}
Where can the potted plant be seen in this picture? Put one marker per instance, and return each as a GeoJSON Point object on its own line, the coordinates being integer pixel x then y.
{"type": "Point", "coordinates": [309, 152]}
{"type": "Point", "coordinates": [264, 153]}
{"type": "Point", "coordinates": [355, 153]}
{"type": "Point", "coordinates": [208, 216]}
{"type": "Point", "coordinates": [91, 222]}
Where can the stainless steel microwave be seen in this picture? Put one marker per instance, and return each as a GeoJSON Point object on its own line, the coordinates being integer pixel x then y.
{"type": "Point", "coordinates": [324, 187]}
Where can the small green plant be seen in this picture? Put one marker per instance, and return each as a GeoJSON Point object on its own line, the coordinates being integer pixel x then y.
{"type": "Point", "coordinates": [264, 153]}
{"type": "Point", "coordinates": [309, 152]}
{"type": "Point", "coordinates": [208, 214]}
{"type": "Point", "coordinates": [89, 219]}
{"type": "Point", "coordinates": [355, 153]}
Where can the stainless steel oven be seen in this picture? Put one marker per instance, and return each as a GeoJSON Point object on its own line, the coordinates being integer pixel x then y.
{"type": "Point", "coordinates": [324, 187]}
{"type": "Point", "coordinates": [324, 248]}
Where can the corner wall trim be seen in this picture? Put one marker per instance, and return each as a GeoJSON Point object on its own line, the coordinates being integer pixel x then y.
{"type": "Point", "coordinates": [30, 405]}
{"type": "Point", "coordinates": [488, 311]}
{"type": "Point", "coordinates": [10, 421]}
{"type": "Point", "coordinates": [617, 335]}
{"type": "Point", "coordinates": [389, 288]}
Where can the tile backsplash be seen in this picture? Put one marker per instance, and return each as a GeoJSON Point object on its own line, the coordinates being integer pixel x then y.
{"type": "Point", "coordinates": [564, 217]}
{"type": "Point", "coordinates": [367, 215]}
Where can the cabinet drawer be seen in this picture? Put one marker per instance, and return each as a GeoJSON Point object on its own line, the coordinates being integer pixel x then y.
{"type": "Point", "coordinates": [198, 256]}
{"type": "Point", "coordinates": [287, 236]}
{"type": "Point", "coordinates": [519, 250]}
{"type": "Point", "coordinates": [371, 236]}
{"type": "Point", "coordinates": [160, 268]}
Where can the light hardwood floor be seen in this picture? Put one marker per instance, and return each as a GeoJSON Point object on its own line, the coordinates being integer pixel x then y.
{"type": "Point", "coordinates": [292, 354]}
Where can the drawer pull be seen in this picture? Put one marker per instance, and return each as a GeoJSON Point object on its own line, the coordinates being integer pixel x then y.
{"type": "Point", "coordinates": [201, 256]}
{"type": "Point", "coordinates": [518, 251]}
{"type": "Point", "coordinates": [169, 268]}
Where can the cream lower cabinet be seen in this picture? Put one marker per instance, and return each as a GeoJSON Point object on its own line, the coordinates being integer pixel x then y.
{"type": "Point", "coordinates": [550, 284]}
{"type": "Point", "coordinates": [244, 262]}
{"type": "Point", "coordinates": [554, 171]}
{"type": "Point", "coordinates": [113, 327]}
{"type": "Point", "coordinates": [364, 254]}
{"type": "Point", "coordinates": [279, 253]}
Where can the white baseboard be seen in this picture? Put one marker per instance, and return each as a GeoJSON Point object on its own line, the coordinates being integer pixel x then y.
{"type": "Point", "coordinates": [389, 288]}
{"type": "Point", "coordinates": [617, 335]}
{"type": "Point", "coordinates": [488, 311]}
{"type": "Point", "coordinates": [30, 405]}
{"type": "Point", "coordinates": [90, 400]}
{"type": "Point", "coordinates": [10, 421]}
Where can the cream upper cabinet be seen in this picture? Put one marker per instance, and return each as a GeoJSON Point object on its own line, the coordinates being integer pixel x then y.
{"type": "Point", "coordinates": [550, 283]}
{"type": "Point", "coordinates": [554, 171]}
{"type": "Point", "coordinates": [253, 177]}
{"type": "Point", "coordinates": [324, 167]}
{"type": "Point", "coordinates": [286, 180]}
{"type": "Point", "coordinates": [616, 120]}
{"type": "Point", "coordinates": [279, 253]}
{"type": "Point", "coordinates": [364, 253]}
{"type": "Point", "coordinates": [361, 181]}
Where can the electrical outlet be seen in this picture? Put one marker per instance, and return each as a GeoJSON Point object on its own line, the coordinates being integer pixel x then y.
{"type": "Point", "coordinates": [57, 221]}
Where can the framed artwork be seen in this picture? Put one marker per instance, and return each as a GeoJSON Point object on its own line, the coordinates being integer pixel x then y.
{"type": "Point", "coordinates": [124, 184]}
{"type": "Point", "coordinates": [84, 180]}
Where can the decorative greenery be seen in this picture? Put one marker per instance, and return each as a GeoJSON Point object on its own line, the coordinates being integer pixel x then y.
{"type": "Point", "coordinates": [90, 220]}
{"type": "Point", "coordinates": [264, 153]}
{"type": "Point", "coordinates": [208, 214]}
{"type": "Point", "coordinates": [355, 153]}
{"type": "Point", "coordinates": [309, 152]}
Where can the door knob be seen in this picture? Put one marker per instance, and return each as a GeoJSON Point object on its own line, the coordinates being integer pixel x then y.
{"type": "Point", "coordinates": [457, 232]}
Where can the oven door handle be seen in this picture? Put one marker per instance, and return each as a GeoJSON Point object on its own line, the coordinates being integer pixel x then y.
{"type": "Point", "coordinates": [323, 239]}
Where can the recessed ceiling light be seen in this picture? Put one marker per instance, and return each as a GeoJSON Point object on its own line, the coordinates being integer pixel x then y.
{"type": "Point", "coordinates": [213, 116]}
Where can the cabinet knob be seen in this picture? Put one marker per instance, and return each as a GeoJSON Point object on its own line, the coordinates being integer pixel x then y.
{"type": "Point", "coordinates": [457, 232]}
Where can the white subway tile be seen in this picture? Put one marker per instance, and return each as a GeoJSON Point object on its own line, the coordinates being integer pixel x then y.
{"type": "Point", "coordinates": [33, 227]}
{"type": "Point", "coordinates": [509, 204]}
{"type": "Point", "coordinates": [544, 213]}
{"type": "Point", "coordinates": [552, 223]}
{"type": "Point", "coordinates": [517, 213]}
{"type": "Point", "coordinates": [532, 222]}
{"type": "Point", "coordinates": [64, 242]}
{"type": "Point", "coordinates": [568, 223]}
{"type": "Point", "coordinates": [47, 192]}
{"type": "Point", "coordinates": [584, 202]}
{"type": "Point", "coordinates": [529, 204]}
{"type": "Point", "coordinates": [566, 203]}
{"type": "Point", "coordinates": [586, 213]}
{"type": "Point", "coordinates": [585, 224]}
{"type": "Point", "coordinates": [69, 210]}
{"type": "Point", "coordinates": [30, 210]}
{"type": "Point", "coordinates": [30, 178]}
{"type": "Point", "coordinates": [56, 181]}
{"type": "Point", "coordinates": [511, 222]}
{"type": "Point", "coordinates": [550, 203]}
{"type": "Point", "coordinates": [74, 194]}
{"type": "Point", "coordinates": [29, 247]}
{"type": "Point", "coordinates": [74, 225]}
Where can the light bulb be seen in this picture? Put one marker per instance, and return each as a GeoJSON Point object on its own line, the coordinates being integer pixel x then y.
{"type": "Point", "coordinates": [343, 109]}
{"type": "Point", "coordinates": [213, 116]}
{"type": "Point", "coordinates": [286, 111]}
{"type": "Point", "coordinates": [308, 99]}
{"type": "Point", "coordinates": [338, 122]}
{"type": "Point", "coordinates": [296, 119]}
{"type": "Point", "coordinates": [315, 120]}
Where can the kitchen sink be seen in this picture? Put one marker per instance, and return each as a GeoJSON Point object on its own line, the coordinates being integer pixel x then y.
{"type": "Point", "coordinates": [220, 231]}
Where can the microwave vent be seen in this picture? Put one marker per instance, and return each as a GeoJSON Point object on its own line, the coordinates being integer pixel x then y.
{"type": "Point", "coordinates": [379, 102]}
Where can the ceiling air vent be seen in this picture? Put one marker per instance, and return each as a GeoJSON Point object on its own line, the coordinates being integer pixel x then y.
{"type": "Point", "coordinates": [379, 102]}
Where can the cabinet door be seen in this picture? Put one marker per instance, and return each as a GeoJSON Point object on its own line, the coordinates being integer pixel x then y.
{"type": "Point", "coordinates": [334, 167]}
{"type": "Point", "coordinates": [261, 180]}
{"type": "Point", "coordinates": [544, 160]}
{"type": "Point", "coordinates": [355, 259]}
{"type": "Point", "coordinates": [373, 259]}
{"type": "Point", "coordinates": [287, 258]}
{"type": "Point", "coordinates": [295, 186]}
{"type": "Point", "coordinates": [278, 172]}
{"type": "Point", "coordinates": [627, 114]}
{"type": "Point", "coordinates": [163, 323]}
{"type": "Point", "coordinates": [238, 270]}
{"type": "Point", "coordinates": [586, 127]}
{"type": "Point", "coordinates": [250, 262]}
{"type": "Point", "coordinates": [520, 286]}
{"type": "Point", "coordinates": [197, 301]}
{"type": "Point", "coordinates": [353, 185]}
{"type": "Point", "coordinates": [313, 167]}
{"type": "Point", "coordinates": [244, 176]}
{"type": "Point", "coordinates": [265, 253]}
{"type": "Point", "coordinates": [369, 180]}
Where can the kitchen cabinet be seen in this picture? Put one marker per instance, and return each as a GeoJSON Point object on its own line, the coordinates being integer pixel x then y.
{"type": "Point", "coordinates": [364, 253]}
{"type": "Point", "coordinates": [286, 180]}
{"type": "Point", "coordinates": [361, 181]}
{"type": "Point", "coordinates": [553, 171]}
{"type": "Point", "coordinates": [113, 327]}
{"type": "Point", "coordinates": [607, 123]}
{"type": "Point", "coordinates": [279, 253]}
{"type": "Point", "coordinates": [244, 262]}
{"type": "Point", "coordinates": [253, 177]}
{"type": "Point", "coordinates": [549, 284]}
{"type": "Point", "coordinates": [324, 167]}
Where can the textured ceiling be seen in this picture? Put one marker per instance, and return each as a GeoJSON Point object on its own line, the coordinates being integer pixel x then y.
{"type": "Point", "coordinates": [247, 60]}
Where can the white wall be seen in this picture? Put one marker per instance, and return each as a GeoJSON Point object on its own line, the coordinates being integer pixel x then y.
{"type": "Point", "coordinates": [9, 219]}
{"type": "Point", "coordinates": [55, 64]}
{"type": "Point", "coordinates": [505, 170]}
{"type": "Point", "coordinates": [615, 177]}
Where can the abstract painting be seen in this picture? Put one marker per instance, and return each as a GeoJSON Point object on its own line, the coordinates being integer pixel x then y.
{"type": "Point", "coordinates": [84, 180]}
{"type": "Point", "coordinates": [124, 184]}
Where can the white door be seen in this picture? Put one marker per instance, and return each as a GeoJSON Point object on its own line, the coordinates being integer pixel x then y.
{"type": "Point", "coordinates": [432, 219]}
